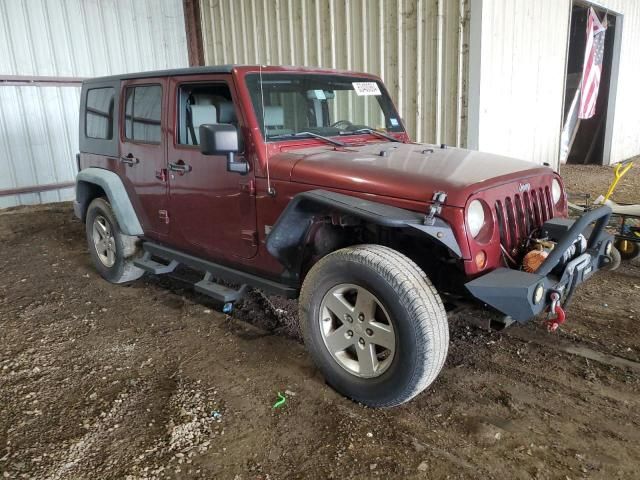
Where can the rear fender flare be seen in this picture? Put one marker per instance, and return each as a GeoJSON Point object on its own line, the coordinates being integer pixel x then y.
{"type": "Point", "coordinates": [117, 195]}
{"type": "Point", "coordinates": [287, 237]}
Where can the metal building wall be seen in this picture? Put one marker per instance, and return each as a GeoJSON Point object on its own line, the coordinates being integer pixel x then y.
{"type": "Point", "coordinates": [522, 62]}
{"type": "Point", "coordinates": [69, 38]}
{"type": "Point", "coordinates": [522, 75]}
{"type": "Point", "coordinates": [418, 47]}
{"type": "Point", "coordinates": [625, 142]}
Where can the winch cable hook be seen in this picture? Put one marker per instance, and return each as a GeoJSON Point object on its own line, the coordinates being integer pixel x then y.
{"type": "Point", "coordinates": [556, 315]}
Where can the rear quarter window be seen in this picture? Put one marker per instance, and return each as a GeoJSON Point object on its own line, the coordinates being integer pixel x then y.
{"type": "Point", "coordinates": [99, 113]}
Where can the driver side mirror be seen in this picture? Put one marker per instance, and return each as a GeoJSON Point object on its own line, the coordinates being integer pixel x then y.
{"type": "Point", "coordinates": [222, 139]}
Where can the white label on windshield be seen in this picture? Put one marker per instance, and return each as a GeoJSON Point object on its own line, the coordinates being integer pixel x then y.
{"type": "Point", "coordinates": [394, 122]}
{"type": "Point", "coordinates": [366, 88]}
{"type": "Point", "coordinates": [319, 94]}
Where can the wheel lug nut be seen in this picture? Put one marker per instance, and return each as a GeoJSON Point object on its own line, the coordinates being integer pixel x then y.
{"type": "Point", "coordinates": [361, 317]}
{"type": "Point", "coordinates": [349, 334]}
{"type": "Point", "coordinates": [369, 332]}
{"type": "Point", "coordinates": [361, 341]}
{"type": "Point", "coordinates": [348, 318]}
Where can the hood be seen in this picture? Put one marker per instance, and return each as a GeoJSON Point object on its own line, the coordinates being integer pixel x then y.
{"type": "Point", "coordinates": [407, 171]}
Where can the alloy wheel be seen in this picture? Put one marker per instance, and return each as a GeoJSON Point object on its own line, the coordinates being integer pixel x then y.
{"type": "Point", "coordinates": [357, 330]}
{"type": "Point", "coordinates": [103, 241]}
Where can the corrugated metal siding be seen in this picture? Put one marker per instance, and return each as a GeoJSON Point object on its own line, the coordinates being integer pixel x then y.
{"type": "Point", "coordinates": [38, 141]}
{"type": "Point", "coordinates": [75, 38]}
{"type": "Point", "coordinates": [626, 124]}
{"type": "Point", "coordinates": [522, 74]}
{"type": "Point", "coordinates": [522, 77]}
{"type": "Point", "coordinates": [418, 47]}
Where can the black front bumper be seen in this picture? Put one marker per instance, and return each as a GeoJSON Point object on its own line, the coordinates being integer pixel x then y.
{"type": "Point", "coordinates": [512, 291]}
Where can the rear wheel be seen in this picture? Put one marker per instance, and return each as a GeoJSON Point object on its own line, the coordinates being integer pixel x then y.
{"type": "Point", "coordinates": [374, 324]}
{"type": "Point", "coordinates": [110, 249]}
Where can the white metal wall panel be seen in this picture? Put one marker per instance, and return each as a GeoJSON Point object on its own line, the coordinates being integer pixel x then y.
{"type": "Point", "coordinates": [626, 121]}
{"type": "Point", "coordinates": [522, 75]}
{"type": "Point", "coordinates": [523, 51]}
{"type": "Point", "coordinates": [70, 38]}
{"type": "Point", "coordinates": [38, 141]}
{"type": "Point", "coordinates": [90, 38]}
{"type": "Point", "coordinates": [418, 47]}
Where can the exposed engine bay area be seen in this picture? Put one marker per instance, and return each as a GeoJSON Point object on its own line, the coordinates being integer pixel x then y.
{"type": "Point", "coordinates": [538, 249]}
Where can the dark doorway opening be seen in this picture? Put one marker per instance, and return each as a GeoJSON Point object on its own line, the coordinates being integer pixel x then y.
{"type": "Point", "coordinates": [587, 141]}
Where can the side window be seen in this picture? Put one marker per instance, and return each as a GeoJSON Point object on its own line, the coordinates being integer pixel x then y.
{"type": "Point", "coordinates": [99, 113]}
{"type": "Point", "coordinates": [200, 104]}
{"type": "Point", "coordinates": [143, 113]}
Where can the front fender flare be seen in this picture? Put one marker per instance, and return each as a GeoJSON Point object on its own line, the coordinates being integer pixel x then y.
{"type": "Point", "coordinates": [116, 193]}
{"type": "Point", "coordinates": [286, 238]}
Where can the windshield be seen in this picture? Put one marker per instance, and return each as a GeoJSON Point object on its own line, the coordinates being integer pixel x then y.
{"type": "Point", "coordinates": [319, 104]}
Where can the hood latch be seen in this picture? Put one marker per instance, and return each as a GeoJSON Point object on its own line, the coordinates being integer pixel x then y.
{"type": "Point", "coordinates": [436, 207]}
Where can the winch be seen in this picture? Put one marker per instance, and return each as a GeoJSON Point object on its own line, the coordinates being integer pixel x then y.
{"type": "Point", "coordinates": [539, 249]}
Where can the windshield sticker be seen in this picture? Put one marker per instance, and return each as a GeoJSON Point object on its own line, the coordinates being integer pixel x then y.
{"type": "Point", "coordinates": [394, 122]}
{"type": "Point", "coordinates": [366, 88]}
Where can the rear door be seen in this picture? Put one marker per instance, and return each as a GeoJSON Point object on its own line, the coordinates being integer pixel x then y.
{"type": "Point", "coordinates": [212, 210]}
{"type": "Point", "coordinates": [143, 151]}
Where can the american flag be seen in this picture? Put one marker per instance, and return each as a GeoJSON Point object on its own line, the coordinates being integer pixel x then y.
{"type": "Point", "coordinates": [592, 65]}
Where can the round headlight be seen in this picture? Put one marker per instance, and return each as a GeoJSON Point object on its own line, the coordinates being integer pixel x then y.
{"type": "Point", "coordinates": [556, 191]}
{"type": "Point", "coordinates": [475, 217]}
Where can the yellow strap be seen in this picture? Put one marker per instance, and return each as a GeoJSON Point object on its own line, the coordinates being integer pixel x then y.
{"type": "Point", "coordinates": [619, 172]}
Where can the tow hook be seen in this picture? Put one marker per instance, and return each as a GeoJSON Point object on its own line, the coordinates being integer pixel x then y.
{"type": "Point", "coordinates": [556, 315]}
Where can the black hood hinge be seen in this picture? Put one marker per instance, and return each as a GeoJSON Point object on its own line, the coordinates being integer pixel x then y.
{"type": "Point", "coordinates": [436, 207]}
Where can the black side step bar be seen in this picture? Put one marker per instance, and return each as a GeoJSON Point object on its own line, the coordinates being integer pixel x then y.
{"type": "Point", "coordinates": [207, 285]}
{"type": "Point", "coordinates": [151, 266]}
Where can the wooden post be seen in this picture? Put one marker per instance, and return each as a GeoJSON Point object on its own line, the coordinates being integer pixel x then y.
{"type": "Point", "coordinates": [193, 28]}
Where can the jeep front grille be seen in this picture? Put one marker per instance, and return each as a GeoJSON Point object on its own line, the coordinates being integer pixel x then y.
{"type": "Point", "coordinates": [521, 214]}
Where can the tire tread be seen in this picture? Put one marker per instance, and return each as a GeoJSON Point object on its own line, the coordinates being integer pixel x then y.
{"type": "Point", "coordinates": [129, 271]}
{"type": "Point", "coordinates": [421, 300]}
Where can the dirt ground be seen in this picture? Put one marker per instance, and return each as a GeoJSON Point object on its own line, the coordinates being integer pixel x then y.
{"type": "Point", "coordinates": [149, 380]}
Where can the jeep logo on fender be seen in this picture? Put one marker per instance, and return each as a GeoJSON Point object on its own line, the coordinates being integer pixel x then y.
{"type": "Point", "coordinates": [524, 187]}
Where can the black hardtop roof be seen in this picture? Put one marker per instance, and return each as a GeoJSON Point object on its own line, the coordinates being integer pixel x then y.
{"type": "Point", "coordinates": [212, 69]}
{"type": "Point", "coordinates": [165, 73]}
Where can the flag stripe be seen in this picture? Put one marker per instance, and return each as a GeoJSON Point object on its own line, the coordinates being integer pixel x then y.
{"type": "Point", "coordinates": [592, 68]}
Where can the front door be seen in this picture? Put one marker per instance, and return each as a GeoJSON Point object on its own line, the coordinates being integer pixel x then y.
{"type": "Point", "coordinates": [212, 211]}
{"type": "Point", "coordinates": [142, 152]}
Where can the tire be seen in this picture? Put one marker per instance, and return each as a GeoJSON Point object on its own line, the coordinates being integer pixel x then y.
{"type": "Point", "coordinates": [616, 259]}
{"type": "Point", "coordinates": [629, 250]}
{"type": "Point", "coordinates": [407, 313]}
{"type": "Point", "coordinates": [114, 264]}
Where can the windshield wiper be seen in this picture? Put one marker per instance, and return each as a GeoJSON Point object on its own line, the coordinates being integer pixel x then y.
{"type": "Point", "coordinates": [391, 138]}
{"type": "Point", "coordinates": [309, 134]}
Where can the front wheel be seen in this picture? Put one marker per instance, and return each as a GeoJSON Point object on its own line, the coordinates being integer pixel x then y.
{"type": "Point", "coordinates": [374, 324]}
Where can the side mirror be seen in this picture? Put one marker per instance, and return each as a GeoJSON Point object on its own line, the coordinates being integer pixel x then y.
{"type": "Point", "coordinates": [222, 139]}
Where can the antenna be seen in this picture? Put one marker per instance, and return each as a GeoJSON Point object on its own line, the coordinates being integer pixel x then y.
{"type": "Point", "coordinates": [270, 190]}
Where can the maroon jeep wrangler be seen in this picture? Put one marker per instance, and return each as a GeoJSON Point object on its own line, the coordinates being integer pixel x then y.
{"type": "Point", "coordinates": [303, 182]}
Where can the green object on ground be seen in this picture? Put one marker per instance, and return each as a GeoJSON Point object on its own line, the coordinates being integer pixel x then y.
{"type": "Point", "coordinates": [281, 400]}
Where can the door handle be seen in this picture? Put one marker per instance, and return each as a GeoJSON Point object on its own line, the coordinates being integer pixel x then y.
{"type": "Point", "coordinates": [179, 167]}
{"type": "Point", "coordinates": [129, 160]}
